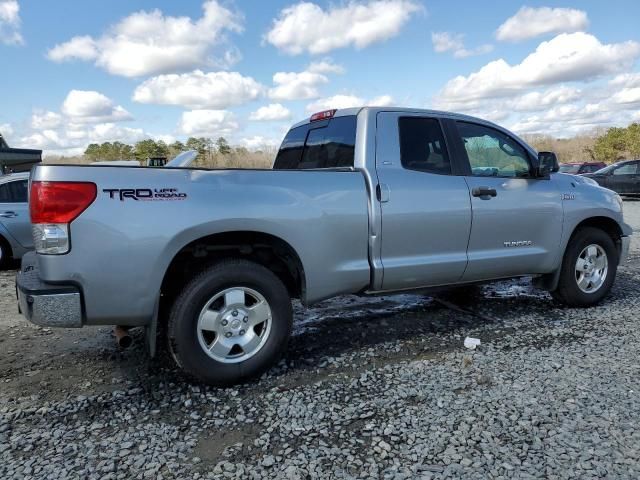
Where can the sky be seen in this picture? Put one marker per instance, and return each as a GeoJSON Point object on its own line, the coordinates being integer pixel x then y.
{"type": "Point", "coordinates": [76, 72]}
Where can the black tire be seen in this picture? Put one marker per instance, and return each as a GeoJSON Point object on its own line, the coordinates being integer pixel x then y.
{"type": "Point", "coordinates": [5, 253]}
{"type": "Point", "coordinates": [184, 339]}
{"type": "Point", "coordinates": [568, 291]}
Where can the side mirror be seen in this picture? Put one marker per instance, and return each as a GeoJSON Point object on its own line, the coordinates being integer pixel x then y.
{"type": "Point", "coordinates": [547, 163]}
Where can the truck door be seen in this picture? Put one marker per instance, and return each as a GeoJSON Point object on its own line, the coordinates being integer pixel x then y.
{"type": "Point", "coordinates": [517, 218]}
{"type": "Point", "coordinates": [14, 211]}
{"type": "Point", "coordinates": [426, 210]}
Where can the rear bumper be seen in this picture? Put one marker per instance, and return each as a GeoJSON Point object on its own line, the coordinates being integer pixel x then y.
{"type": "Point", "coordinates": [44, 303]}
{"type": "Point", "coordinates": [624, 249]}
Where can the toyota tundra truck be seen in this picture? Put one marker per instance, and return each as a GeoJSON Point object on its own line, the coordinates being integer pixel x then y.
{"type": "Point", "coordinates": [359, 201]}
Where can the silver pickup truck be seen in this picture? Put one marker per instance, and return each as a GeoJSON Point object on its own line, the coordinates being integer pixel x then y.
{"type": "Point", "coordinates": [359, 201]}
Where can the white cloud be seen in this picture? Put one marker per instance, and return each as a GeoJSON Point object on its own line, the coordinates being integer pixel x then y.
{"type": "Point", "coordinates": [10, 23]}
{"type": "Point", "coordinates": [199, 90]}
{"type": "Point", "coordinates": [296, 85]}
{"type": "Point", "coordinates": [74, 138]}
{"type": "Point", "coordinates": [87, 106]}
{"type": "Point", "coordinates": [531, 22]}
{"type": "Point", "coordinates": [567, 57]}
{"type": "Point", "coordinates": [207, 123]}
{"type": "Point", "coordinates": [627, 96]}
{"type": "Point", "coordinates": [273, 111]}
{"type": "Point", "coordinates": [306, 27]}
{"type": "Point", "coordinates": [540, 100]}
{"type": "Point", "coordinates": [44, 120]}
{"type": "Point", "coordinates": [454, 42]}
{"type": "Point", "coordinates": [626, 80]}
{"type": "Point", "coordinates": [258, 142]}
{"type": "Point", "coordinates": [348, 101]}
{"type": "Point", "coordinates": [6, 130]}
{"type": "Point", "coordinates": [80, 48]}
{"type": "Point", "coordinates": [325, 66]}
{"type": "Point", "coordinates": [148, 43]}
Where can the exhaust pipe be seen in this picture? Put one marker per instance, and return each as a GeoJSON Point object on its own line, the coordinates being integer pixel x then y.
{"type": "Point", "coordinates": [123, 339]}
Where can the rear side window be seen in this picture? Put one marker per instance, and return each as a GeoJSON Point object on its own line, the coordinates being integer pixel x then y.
{"type": "Point", "coordinates": [422, 145]}
{"type": "Point", "coordinates": [329, 144]}
{"type": "Point", "coordinates": [14, 192]}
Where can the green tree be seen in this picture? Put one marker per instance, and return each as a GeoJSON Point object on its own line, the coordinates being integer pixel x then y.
{"type": "Point", "coordinates": [92, 152]}
{"type": "Point", "coordinates": [199, 145]}
{"type": "Point", "coordinates": [223, 146]}
{"type": "Point", "coordinates": [145, 149]}
{"type": "Point", "coordinates": [633, 140]}
{"type": "Point", "coordinates": [611, 146]}
{"type": "Point", "coordinates": [176, 147]}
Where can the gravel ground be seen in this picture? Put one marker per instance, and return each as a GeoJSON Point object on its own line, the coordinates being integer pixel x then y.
{"type": "Point", "coordinates": [370, 388]}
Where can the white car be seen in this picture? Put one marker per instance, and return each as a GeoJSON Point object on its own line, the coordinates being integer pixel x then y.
{"type": "Point", "coordinates": [15, 225]}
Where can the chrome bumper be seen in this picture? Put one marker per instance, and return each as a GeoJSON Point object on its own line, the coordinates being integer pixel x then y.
{"type": "Point", "coordinates": [624, 249]}
{"type": "Point", "coordinates": [46, 304]}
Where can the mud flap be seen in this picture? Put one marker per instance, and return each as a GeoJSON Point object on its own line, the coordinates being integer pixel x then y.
{"type": "Point", "coordinates": [548, 281]}
{"type": "Point", "coordinates": [151, 330]}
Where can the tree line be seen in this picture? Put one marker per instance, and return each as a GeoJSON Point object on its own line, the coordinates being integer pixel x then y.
{"type": "Point", "coordinates": [149, 148]}
{"type": "Point", "coordinates": [602, 145]}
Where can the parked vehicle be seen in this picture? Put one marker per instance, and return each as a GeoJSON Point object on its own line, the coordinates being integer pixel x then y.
{"type": "Point", "coordinates": [16, 237]}
{"type": "Point", "coordinates": [579, 168]}
{"type": "Point", "coordinates": [621, 177]}
{"type": "Point", "coordinates": [359, 201]}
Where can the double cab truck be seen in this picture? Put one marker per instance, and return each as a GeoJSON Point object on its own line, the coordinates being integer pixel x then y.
{"type": "Point", "coordinates": [359, 201]}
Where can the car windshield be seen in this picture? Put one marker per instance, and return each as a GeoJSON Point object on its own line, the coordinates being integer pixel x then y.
{"type": "Point", "coordinates": [606, 169]}
{"type": "Point", "coordinates": [569, 168]}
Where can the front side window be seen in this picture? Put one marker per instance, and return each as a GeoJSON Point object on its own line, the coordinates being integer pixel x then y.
{"type": "Point", "coordinates": [323, 145]}
{"type": "Point", "coordinates": [628, 169]}
{"type": "Point", "coordinates": [422, 145]}
{"type": "Point", "coordinates": [492, 153]}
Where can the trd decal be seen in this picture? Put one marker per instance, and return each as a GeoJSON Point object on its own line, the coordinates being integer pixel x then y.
{"type": "Point", "coordinates": [146, 194]}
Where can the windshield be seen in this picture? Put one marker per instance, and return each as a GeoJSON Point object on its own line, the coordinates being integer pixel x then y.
{"type": "Point", "coordinates": [569, 168]}
{"type": "Point", "coordinates": [606, 169]}
{"type": "Point", "coordinates": [183, 159]}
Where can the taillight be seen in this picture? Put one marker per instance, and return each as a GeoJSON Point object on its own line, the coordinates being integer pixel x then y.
{"type": "Point", "coordinates": [323, 115]}
{"type": "Point", "coordinates": [53, 205]}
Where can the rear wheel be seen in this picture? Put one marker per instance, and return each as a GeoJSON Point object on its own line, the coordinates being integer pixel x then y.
{"type": "Point", "coordinates": [5, 253]}
{"type": "Point", "coordinates": [230, 323]}
{"type": "Point", "coordinates": [588, 268]}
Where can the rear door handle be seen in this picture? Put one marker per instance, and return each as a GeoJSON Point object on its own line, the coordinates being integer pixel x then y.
{"type": "Point", "coordinates": [484, 192]}
{"type": "Point", "coordinates": [382, 192]}
{"type": "Point", "coordinates": [8, 214]}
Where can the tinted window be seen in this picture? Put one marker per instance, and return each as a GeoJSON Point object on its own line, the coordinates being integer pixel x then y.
{"type": "Point", "coordinates": [328, 144]}
{"type": "Point", "coordinates": [492, 153]}
{"type": "Point", "coordinates": [628, 169]}
{"type": "Point", "coordinates": [422, 145]}
{"type": "Point", "coordinates": [569, 168]}
{"type": "Point", "coordinates": [14, 192]}
{"type": "Point", "coordinates": [19, 191]}
{"type": "Point", "coordinates": [5, 195]}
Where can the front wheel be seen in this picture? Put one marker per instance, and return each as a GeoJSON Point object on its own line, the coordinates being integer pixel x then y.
{"type": "Point", "coordinates": [231, 322]}
{"type": "Point", "coordinates": [588, 268]}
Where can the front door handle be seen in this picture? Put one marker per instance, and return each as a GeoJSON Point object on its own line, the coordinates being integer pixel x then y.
{"type": "Point", "coordinates": [484, 192]}
{"type": "Point", "coordinates": [8, 214]}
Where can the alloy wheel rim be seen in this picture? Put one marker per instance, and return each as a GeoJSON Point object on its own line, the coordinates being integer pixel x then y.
{"type": "Point", "coordinates": [234, 324]}
{"type": "Point", "coordinates": [591, 269]}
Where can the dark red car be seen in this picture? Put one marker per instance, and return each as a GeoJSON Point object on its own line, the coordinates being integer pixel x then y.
{"type": "Point", "coordinates": [578, 168]}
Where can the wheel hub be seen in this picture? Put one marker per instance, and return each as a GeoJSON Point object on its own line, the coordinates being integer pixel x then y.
{"type": "Point", "coordinates": [591, 268]}
{"type": "Point", "coordinates": [234, 324]}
